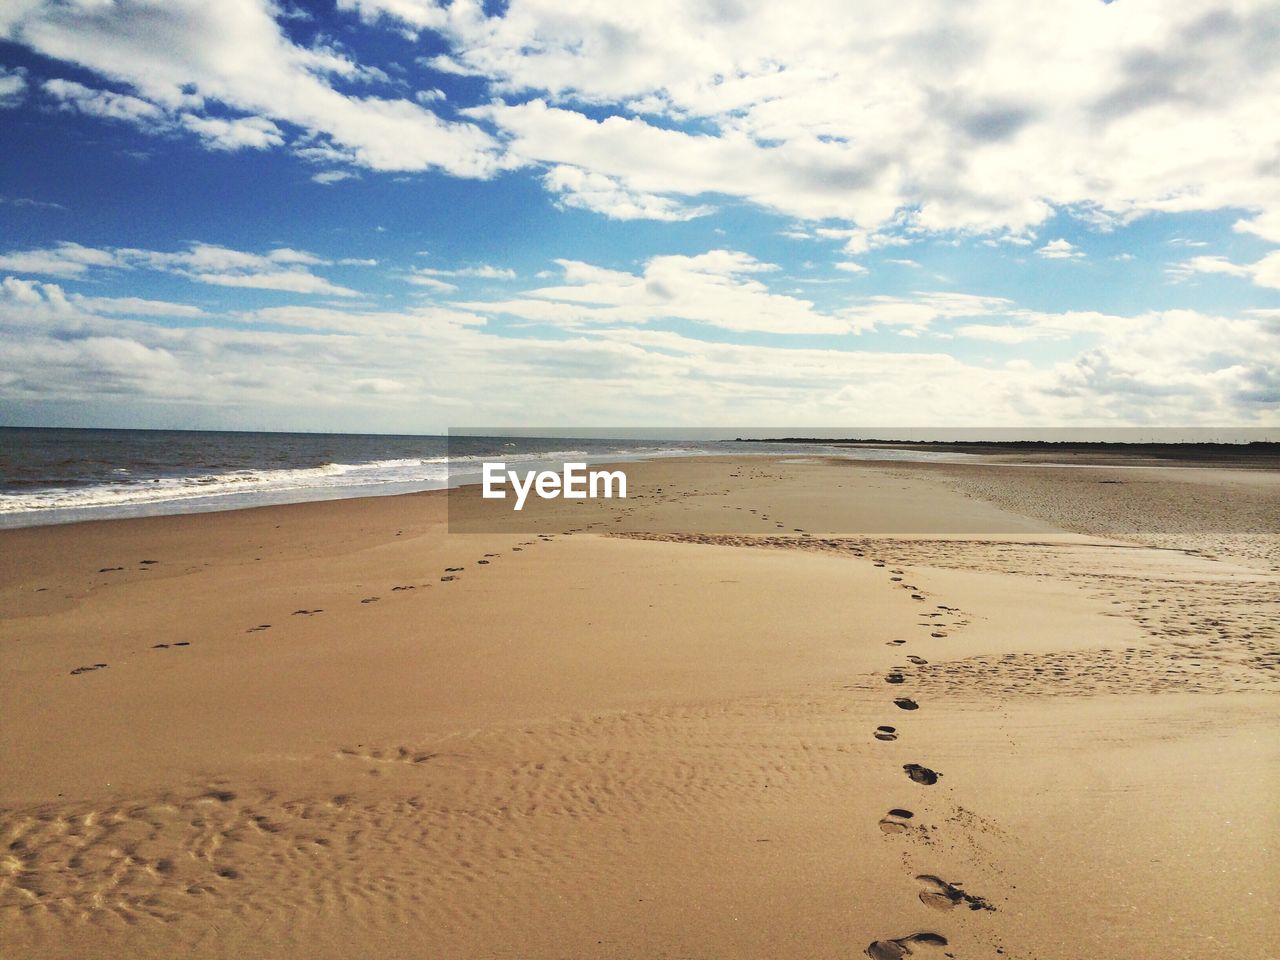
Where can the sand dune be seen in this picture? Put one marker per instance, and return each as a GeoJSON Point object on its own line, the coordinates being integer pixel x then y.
{"type": "Point", "coordinates": [761, 709]}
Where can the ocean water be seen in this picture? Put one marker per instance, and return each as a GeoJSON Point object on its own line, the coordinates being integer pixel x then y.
{"type": "Point", "coordinates": [50, 475]}
{"type": "Point", "coordinates": [59, 475]}
{"type": "Point", "coordinates": [65, 475]}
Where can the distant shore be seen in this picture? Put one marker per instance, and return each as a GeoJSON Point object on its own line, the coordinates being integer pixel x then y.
{"type": "Point", "coordinates": [1259, 453]}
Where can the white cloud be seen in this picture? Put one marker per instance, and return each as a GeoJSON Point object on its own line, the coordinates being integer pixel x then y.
{"type": "Point", "coordinates": [31, 203]}
{"type": "Point", "coordinates": [1059, 250]}
{"type": "Point", "coordinates": [105, 104]}
{"type": "Point", "coordinates": [850, 266]}
{"type": "Point", "coordinates": [1263, 273]}
{"type": "Point", "coordinates": [13, 86]}
{"type": "Point", "coordinates": [182, 55]}
{"type": "Point", "coordinates": [252, 133]}
{"type": "Point", "coordinates": [719, 288]}
{"type": "Point", "coordinates": [66, 260]}
{"type": "Point", "coordinates": [597, 192]}
{"type": "Point", "coordinates": [920, 120]}
{"type": "Point", "coordinates": [281, 269]}
{"type": "Point", "coordinates": [432, 283]}
{"type": "Point", "coordinates": [321, 367]}
{"type": "Point", "coordinates": [329, 177]}
{"type": "Point", "coordinates": [923, 109]}
{"type": "Point", "coordinates": [1265, 225]}
{"type": "Point", "coordinates": [135, 306]}
{"type": "Point", "coordinates": [483, 271]}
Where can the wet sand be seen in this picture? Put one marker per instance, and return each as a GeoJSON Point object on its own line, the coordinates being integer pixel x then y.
{"type": "Point", "coordinates": [763, 708]}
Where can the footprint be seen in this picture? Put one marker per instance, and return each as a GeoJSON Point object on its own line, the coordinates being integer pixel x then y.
{"type": "Point", "coordinates": [918, 661]}
{"type": "Point", "coordinates": [370, 599]}
{"type": "Point", "coordinates": [110, 569]}
{"type": "Point", "coordinates": [447, 577]}
{"type": "Point", "coordinates": [261, 626]}
{"type": "Point", "coordinates": [938, 634]}
{"type": "Point", "coordinates": [482, 563]}
{"type": "Point", "coordinates": [407, 586]}
{"type": "Point", "coordinates": [895, 821]}
{"type": "Point", "coordinates": [894, 678]}
{"type": "Point", "coordinates": [941, 895]}
{"type": "Point", "coordinates": [895, 643]}
{"type": "Point", "coordinates": [901, 947]}
{"type": "Point", "coordinates": [906, 703]}
{"type": "Point", "coordinates": [886, 733]}
{"type": "Point", "coordinates": [306, 613]}
{"type": "Point", "coordinates": [921, 775]}
{"type": "Point", "coordinates": [453, 569]}
{"type": "Point", "coordinates": [90, 669]}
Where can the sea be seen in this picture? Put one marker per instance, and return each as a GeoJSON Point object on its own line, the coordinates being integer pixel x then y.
{"type": "Point", "coordinates": [52, 475]}
{"type": "Point", "coordinates": [61, 475]}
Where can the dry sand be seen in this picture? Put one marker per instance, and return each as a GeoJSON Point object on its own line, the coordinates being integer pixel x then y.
{"type": "Point", "coordinates": [656, 727]}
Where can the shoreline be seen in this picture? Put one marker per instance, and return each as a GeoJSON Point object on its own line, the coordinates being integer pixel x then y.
{"type": "Point", "coordinates": [992, 455]}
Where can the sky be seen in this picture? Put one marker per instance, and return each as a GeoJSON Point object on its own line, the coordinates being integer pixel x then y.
{"type": "Point", "coordinates": [406, 215]}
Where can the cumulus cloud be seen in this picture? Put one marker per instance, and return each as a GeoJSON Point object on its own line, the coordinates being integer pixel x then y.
{"type": "Point", "coordinates": [328, 177]}
{"type": "Point", "coordinates": [185, 55]}
{"type": "Point", "coordinates": [282, 269]}
{"type": "Point", "coordinates": [1265, 225]}
{"type": "Point", "coordinates": [1059, 250]}
{"type": "Point", "coordinates": [252, 133]}
{"type": "Point", "coordinates": [13, 86]}
{"type": "Point", "coordinates": [924, 109]}
{"type": "Point", "coordinates": [483, 271]}
{"type": "Point", "coordinates": [105, 104]}
{"type": "Point", "coordinates": [324, 366]}
{"type": "Point", "coordinates": [135, 306]}
{"type": "Point", "coordinates": [599, 193]}
{"type": "Point", "coordinates": [63, 260]}
{"type": "Point", "coordinates": [918, 121]}
{"type": "Point", "coordinates": [720, 288]}
{"type": "Point", "coordinates": [1263, 273]}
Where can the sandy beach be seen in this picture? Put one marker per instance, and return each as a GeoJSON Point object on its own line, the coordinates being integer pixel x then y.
{"type": "Point", "coordinates": [765, 707]}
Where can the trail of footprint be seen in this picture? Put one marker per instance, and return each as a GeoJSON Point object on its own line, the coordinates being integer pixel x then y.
{"type": "Point", "coordinates": [921, 775]}
{"type": "Point", "coordinates": [901, 947]}
{"type": "Point", "coordinates": [946, 896]}
{"type": "Point", "coordinates": [895, 821]}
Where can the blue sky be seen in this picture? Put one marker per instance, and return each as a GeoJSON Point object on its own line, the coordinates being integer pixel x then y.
{"type": "Point", "coordinates": [401, 215]}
